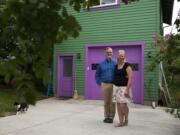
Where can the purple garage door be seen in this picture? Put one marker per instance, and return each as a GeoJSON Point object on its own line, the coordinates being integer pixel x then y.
{"type": "Point", "coordinates": [65, 76]}
{"type": "Point", "coordinates": [133, 55]}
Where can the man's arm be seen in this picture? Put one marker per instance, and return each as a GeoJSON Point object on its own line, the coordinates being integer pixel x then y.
{"type": "Point", "coordinates": [98, 75]}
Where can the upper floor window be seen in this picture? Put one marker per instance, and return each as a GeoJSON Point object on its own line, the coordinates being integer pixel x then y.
{"type": "Point", "coordinates": [102, 3]}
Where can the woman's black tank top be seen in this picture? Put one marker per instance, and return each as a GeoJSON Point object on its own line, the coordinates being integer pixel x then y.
{"type": "Point", "coordinates": [120, 75]}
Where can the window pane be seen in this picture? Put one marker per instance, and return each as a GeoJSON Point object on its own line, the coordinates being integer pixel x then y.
{"type": "Point", "coordinates": [67, 68]}
{"type": "Point", "coordinates": [108, 1]}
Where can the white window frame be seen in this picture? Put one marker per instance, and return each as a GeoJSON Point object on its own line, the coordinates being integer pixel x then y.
{"type": "Point", "coordinates": [104, 5]}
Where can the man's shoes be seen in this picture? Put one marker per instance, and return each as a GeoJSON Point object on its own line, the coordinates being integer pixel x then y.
{"type": "Point", "coordinates": [108, 120]}
{"type": "Point", "coordinates": [105, 120]}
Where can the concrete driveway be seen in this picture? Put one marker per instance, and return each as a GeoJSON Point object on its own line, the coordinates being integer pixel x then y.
{"type": "Point", "coordinates": [84, 117]}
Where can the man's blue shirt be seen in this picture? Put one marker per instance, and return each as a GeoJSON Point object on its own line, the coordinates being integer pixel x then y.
{"type": "Point", "coordinates": [105, 71]}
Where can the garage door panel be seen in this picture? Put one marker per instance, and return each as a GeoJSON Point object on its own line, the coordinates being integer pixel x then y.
{"type": "Point", "coordinates": [97, 54]}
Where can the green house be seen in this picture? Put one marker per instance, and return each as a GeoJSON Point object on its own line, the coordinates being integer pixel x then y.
{"type": "Point", "coordinates": [111, 23]}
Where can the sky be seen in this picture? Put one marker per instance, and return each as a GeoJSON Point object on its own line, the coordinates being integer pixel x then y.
{"type": "Point", "coordinates": [176, 9]}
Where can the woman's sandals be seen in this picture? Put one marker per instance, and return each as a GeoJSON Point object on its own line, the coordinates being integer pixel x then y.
{"type": "Point", "coordinates": [125, 123]}
{"type": "Point", "coordinates": [119, 125]}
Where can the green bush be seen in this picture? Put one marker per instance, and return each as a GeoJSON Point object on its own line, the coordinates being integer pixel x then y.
{"type": "Point", "coordinates": [31, 97]}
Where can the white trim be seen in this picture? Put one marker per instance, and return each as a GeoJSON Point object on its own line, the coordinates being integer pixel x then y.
{"type": "Point", "coordinates": [104, 5]}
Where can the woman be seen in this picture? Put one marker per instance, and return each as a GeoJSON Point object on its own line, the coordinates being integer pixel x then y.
{"type": "Point", "coordinates": [121, 88]}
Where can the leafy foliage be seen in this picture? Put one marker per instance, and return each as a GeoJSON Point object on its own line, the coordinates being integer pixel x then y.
{"type": "Point", "coordinates": [28, 31]}
{"type": "Point", "coordinates": [177, 22]}
{"type": "Point", "coordinates": [169, 54]}
{"type": "Point", "coordinates": [31, 96]}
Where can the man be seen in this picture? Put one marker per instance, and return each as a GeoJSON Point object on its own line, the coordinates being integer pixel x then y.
{"type": "Point", "coordinates": [104, 77]}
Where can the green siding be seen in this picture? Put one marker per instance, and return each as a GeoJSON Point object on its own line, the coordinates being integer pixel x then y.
{"type": "Point", "coordinates": [136, 22]}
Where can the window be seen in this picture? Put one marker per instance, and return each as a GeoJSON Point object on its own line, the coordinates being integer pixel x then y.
{"type": "Point", "coordinates": [102, 3]}
{"type": "Point", "coordinates": [67, 68]}
{"type": "Point", "coordinates": [107, 1]}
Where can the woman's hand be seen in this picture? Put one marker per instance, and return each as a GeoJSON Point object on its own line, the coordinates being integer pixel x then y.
{"type": "Point", "coordinates": [126, 94]}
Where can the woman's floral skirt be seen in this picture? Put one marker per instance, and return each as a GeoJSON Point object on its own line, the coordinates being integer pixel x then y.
{"type": "Point", "coordinates": [119, 95]}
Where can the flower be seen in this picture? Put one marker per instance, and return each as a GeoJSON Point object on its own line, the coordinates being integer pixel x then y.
{"type": "Point", "coordinates": [125, 1]}
{"type": "Point", "coordinates": [168, 36]}
{"type": "Point", "coordinates": [162, 49]}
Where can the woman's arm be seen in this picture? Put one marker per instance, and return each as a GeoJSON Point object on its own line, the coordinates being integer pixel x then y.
{"type": "Point", "coordinates": [129, 75]}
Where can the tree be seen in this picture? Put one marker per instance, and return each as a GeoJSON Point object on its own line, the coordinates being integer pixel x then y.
{"type": "Point", "coordinates": [169, 55]}
{"type": "Point", "coordinates": [28, 31]}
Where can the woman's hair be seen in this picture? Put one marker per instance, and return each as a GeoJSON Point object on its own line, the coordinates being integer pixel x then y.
{"type": "Point", "coordinates": [122, 52]}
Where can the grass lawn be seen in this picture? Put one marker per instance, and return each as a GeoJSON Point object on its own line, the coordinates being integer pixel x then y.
{"type": "Point", "coordinates": [7, 99]}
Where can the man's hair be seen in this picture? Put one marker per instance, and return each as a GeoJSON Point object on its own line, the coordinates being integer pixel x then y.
{"type": "Point", "coordinates": [107, 48]}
